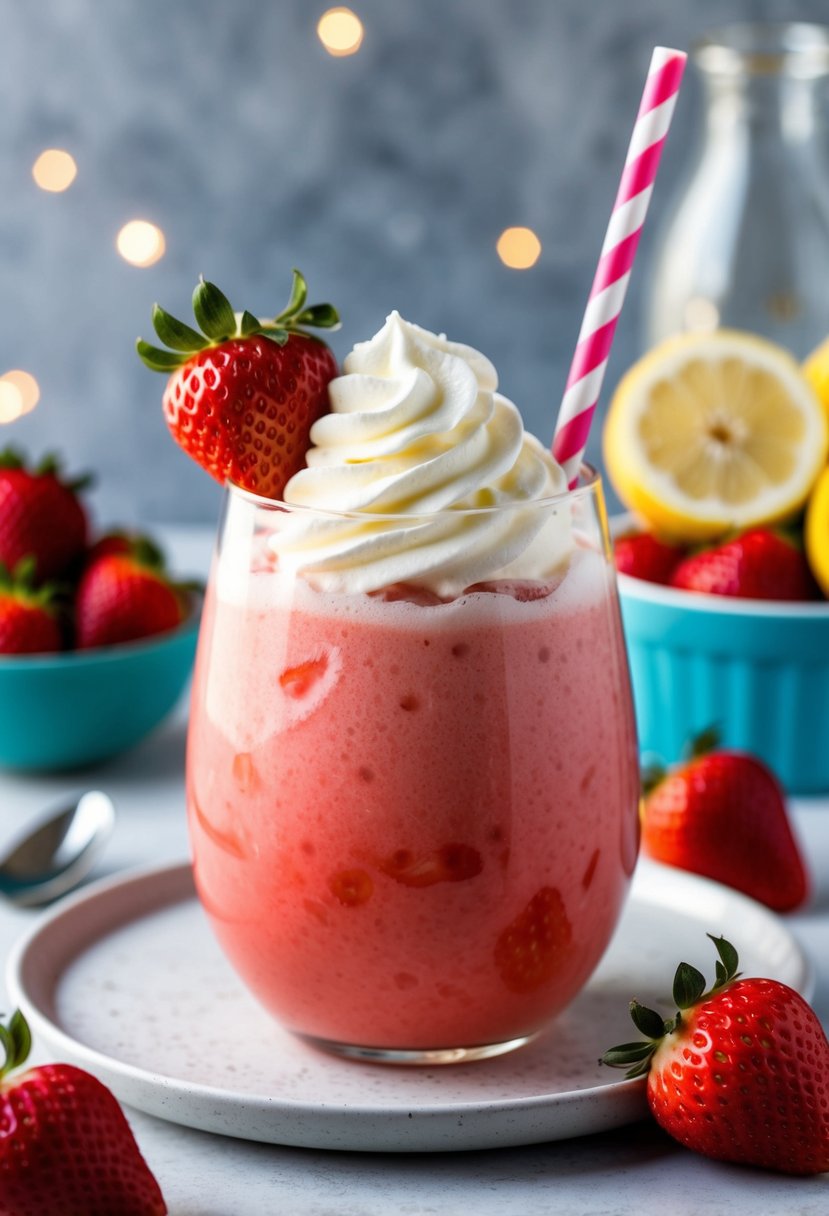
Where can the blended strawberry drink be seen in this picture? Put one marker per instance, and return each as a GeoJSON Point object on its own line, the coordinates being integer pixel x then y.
{"type": "Point", "coordinates": [412, 771]}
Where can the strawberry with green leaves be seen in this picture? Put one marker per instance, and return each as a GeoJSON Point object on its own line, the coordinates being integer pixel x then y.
{"type": "Point", "coordinates": [124, 594]}
{"type": "Point", "coordinates": [28, 614]}
{"type": "Point", "coordinates": [739, 1073]}
{"type": "Point", "coordinates": [759, 564]}
{"type": "Point", "coordinates": [723, 814]}
{"type": "Point", "coordinates": [643, 555]}
{"type": "Point", "coordinates": [243, 393]}
{"type": "Point", "coordinates": [41, 515]}
{"type": "Point", "coordinates": [65, 1146]}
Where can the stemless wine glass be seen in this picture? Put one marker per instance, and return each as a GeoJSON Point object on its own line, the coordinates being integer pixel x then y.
{"type": "Point", "coordinates": [413, 817]}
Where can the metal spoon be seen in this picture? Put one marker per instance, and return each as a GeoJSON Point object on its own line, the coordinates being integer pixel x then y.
{"type": "Point", "coordinates": [58, 853]}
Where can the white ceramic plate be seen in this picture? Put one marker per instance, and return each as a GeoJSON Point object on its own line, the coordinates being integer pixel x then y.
{"type": "Point", "coordinates": [127, 981]}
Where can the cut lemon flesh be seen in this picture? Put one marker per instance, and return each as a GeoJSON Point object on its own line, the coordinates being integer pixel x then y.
{"type": "Point", "coordinates": [816, 531]}
{"type": "Point", "coordinates": [816, 371]}
{"type": "Point", "coordinates": [712, 432]}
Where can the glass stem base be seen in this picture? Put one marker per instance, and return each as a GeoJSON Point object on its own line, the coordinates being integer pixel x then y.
{"type": "Point", "coordinates": [418, 1056]}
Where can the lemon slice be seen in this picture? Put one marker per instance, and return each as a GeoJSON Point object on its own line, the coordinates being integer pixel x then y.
{"type": "Point", "coordinates": [711, 432]}
{"type": "Point", "coordinates": [816, 531]}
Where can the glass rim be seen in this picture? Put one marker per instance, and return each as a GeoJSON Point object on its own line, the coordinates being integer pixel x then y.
{"type": "Point", "coordinates": [589, 484]}
{"type": "Point", "coordinates": [765, 48]}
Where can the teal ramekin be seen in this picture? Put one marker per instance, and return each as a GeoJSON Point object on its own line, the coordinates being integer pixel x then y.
{"type": "Point", "coordinates": [63, 711]}
{"type": "Point", "coordinates": [757, 671]}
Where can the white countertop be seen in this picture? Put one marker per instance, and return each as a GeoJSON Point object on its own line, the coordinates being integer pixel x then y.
{"type": "Point", "coordinates": [633, 1170]}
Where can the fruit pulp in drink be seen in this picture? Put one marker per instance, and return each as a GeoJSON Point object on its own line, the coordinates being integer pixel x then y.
{"type": "Point", "coordinates": [414, 822]}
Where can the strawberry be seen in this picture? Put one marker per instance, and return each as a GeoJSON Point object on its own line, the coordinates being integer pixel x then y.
{"type": "Point", "coordinates": [723, 815]}
{"type": "Point", "coordinates": [528, 952]}
{"type": "Point", "coordinates": [758, 564]}
{"type": "Point", "coordinates": [65, 1145]}
{"type": "Point", "coordinates": [243, 394]}
{"type": "Point", "coordinates": [643, 555]}
{"type": "Point", "coordinates": [28, 620]}
{"type": "Point", "coordinates": [122, 596]}
{"type": "Point", "coordinates": [739, 1074]}
{"type": "Point", "coordinates": [40, 515]}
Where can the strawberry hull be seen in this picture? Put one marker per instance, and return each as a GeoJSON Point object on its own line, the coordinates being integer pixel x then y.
{"type": "Point", "coordinates": [413, 823]}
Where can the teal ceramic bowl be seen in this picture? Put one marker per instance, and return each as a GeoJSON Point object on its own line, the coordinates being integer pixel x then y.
{"type": "Point", "coordinates": [62, 711]}
{"type": "Point", "coordinates": [755, 670]}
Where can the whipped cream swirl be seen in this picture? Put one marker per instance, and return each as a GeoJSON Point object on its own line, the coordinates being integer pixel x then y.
{"type": "Point", "coordinates": [418, 431]}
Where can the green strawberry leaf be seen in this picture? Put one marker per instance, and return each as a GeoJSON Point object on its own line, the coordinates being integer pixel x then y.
{"type": "Point", "coordinates": [647, 1020]}
{"type": "Point", "coordinates": [728, 963]}
{"type": "Point", "coordinates": [249, 324]}
{"type": "Point", "coordinates": [689, 985]}
{"type": "Point", "coordinates": [705, 742]}
{"type": "Point", "coordinates": [158, 360]}
{"type": "Point", "coordinates": [627, 1053]}
{"type": "Point", "coordinates": [213, 311]}
{"type": "Point", "coordinates": [15, 1041]}
{"type": "Point", "coordinates": [322, 316]}
{"type": "Point", "coordinates": [174, 333]}
{"type": "Point", "coordinates": [21, 1039]}
{"type": "Point", "coordinates": [299, 294]}
{"type": "Point", "coordinates": [12, 458]}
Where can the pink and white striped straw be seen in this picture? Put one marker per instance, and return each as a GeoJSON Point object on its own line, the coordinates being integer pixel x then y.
{"type": "Point", "coordinates": [607, 295]}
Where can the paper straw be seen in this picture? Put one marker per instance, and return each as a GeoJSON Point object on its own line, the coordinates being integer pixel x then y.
{"type": "Point", "coordinates": [607, 295]}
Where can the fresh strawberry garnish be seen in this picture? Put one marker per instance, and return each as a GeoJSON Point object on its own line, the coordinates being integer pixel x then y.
{"type": "Point", "coordinates": [28, 614]}
{"type": "Point", "coordinates": [759, 564]}
{"type": "Point", "coordinates": [739, 1074]}
{"type": "Point", "coordinates": [65, 1145]}
{"type": "Point", "coordinates": [643, 555]}
{"type": "Point", "coordinates": [244, 393]}
{"type": "Point", "coordinates": [723, 815]}
{"type": "Point", "coordinates": [123, 596]}
{"type": "Point", "coordinates": [41, 515]}
{"type": "Point", "coordinates": [529, 952]}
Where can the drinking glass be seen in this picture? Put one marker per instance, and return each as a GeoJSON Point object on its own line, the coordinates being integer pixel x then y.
{"type": "Point", "coordinates": [413, 816]}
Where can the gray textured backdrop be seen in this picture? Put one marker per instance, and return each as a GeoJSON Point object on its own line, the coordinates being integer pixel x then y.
{"type": "Point", "coordinates": [386, 177]}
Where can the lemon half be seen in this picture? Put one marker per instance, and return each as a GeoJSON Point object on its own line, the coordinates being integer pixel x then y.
{"type": "Point", "coordinates": [816, 371]}
{"type": "Point", "coordinates": [713, 432]}
{"type": "Point", "coordinates": [816, 531]}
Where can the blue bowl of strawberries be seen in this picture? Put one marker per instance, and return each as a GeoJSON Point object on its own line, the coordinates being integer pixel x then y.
{"type": "Point", "coordinates": [732, 636]}
{"type": "Point", "coordinates": [96, 642]}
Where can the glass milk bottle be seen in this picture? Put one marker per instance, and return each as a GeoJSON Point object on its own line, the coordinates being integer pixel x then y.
{"type": "Point", "coordinates": [746, 244]}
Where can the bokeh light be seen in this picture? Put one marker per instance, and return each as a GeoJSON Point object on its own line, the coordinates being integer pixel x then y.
{"type": "Point", "coordinates": [141, 243]}
{"type": "Point", "coordinates": [340, 31]}
{"type": "Point", "coordinates": [518, 248]}
{"type": "Point", "coordinates": [19, 393]}
{"type": "Point", "coordinates": [54, 170]}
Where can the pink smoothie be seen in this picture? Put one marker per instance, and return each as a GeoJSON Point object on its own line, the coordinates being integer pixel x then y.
{"type": "Point", "coordinates": [413, 825]}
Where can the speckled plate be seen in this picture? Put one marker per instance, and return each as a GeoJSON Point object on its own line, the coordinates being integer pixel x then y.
{"type": "Point", "coordinates": [127, 981]}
